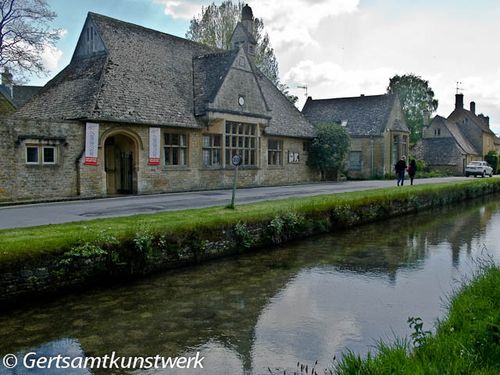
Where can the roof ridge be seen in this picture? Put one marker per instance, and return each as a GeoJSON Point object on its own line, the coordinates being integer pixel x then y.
{"type": "Point", "coordinates": [354, 97]}
{"type": "Point", "coordinates": [148, 29]}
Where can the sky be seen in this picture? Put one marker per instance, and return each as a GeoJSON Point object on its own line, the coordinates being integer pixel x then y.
{"type": "Point", "coordinates": [340, 48]}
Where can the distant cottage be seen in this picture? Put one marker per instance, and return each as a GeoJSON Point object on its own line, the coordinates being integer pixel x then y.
{"type": "Point", "coordinates": [376, 125]}
{"type": "Point", "coordinates": [449, 144]}
{"type": "Point", "coordinates": [140, 111]}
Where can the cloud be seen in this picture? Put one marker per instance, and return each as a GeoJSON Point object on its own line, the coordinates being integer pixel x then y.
{"type": "Point", "coordinates": [51, 56]}
{"type": "Point", "coordinates": [296, 20]}
{"type": "Point", "coordinates": [182, 9]}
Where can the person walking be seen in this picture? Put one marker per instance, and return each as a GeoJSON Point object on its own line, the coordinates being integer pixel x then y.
{"type": "Point", "coordinates": [412, 170]}
{"type": "Point", "coordinates": [400, 168]}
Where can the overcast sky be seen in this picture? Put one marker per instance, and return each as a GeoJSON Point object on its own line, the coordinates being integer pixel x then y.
{"type": "Point", "coordinates": [341, 48]}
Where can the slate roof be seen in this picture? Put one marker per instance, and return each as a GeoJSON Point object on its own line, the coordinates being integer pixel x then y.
{"type": "Point", "coordinates": [461, 140]}
{"type": "Point", "coordinates": [144, 77]}
{"type": "Point", "coordinates": [365, 115]}
{"type": "Point", "coordinates": [441, 151]}
{"type": "Point", "coordinates": [286, 119]}
{"type": "Point", "coordinates": [209, 72]}
{"type": "Point", "coordinates": [69, 95]}
{"type": "Point", "coordinates": [24, 93]}
{"type": "Point", "coordinates": [460, 114]}
{"type": "Point", "coordinates": [149, 77]}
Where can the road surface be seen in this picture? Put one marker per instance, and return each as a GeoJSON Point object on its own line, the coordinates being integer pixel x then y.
{"type": "Point", "coordinates": [28, 215]}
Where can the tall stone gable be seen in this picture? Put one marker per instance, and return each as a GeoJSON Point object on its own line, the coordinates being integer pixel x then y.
{"type": "Point", "coordinates": [240, 91]}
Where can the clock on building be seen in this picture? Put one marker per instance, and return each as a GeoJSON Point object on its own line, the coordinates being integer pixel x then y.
{"type": "Point", "coordinates": [241, 101]}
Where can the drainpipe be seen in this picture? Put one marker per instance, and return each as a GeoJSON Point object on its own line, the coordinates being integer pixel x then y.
{"type": "Point", "coordinates": [371, 144]}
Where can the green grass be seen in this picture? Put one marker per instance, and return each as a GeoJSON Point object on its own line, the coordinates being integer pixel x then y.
{"type": "Point", "coordinates": [466, 342]}
{"type": "Point", "coordinates": [18, 245]}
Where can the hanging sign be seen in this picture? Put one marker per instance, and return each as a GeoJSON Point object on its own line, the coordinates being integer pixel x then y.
{"type": "Point", "coordinates": [154, 146]}
{"type": "Point", "coordinates": [91, 143]}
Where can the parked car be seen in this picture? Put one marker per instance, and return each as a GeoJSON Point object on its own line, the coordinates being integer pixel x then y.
{"type": "Point", "coordinates": [478, 168]}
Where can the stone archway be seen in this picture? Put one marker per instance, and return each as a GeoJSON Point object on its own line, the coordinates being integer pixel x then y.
{"type": "Point", "coordinates": [120, 160]}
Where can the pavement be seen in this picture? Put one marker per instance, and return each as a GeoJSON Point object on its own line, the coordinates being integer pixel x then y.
{"type": "Point", "coordinates": [28, 215]}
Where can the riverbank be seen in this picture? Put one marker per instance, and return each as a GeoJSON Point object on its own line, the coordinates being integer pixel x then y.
{"type": "Point", "coordinates": [467, 341]}
{"type": "Point", "coordinates": [51, 259]}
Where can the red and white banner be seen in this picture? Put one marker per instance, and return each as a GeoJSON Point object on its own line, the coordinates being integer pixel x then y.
{"type": "Point", "coordinates": [91, 143]}
{"type": "Point", "coordinates": [154, 146]}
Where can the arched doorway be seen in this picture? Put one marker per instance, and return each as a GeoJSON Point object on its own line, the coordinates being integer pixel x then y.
{"type": "Point", "coordinates": [119, 160]}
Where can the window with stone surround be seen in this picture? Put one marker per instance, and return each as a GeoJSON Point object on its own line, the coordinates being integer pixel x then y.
{"type": "Point", "coordinates": [37, 154]}
{"type": "Point", "coordinates": [355, 160]}
{"type": "Point", "coordinates": [274, 152]}
{"type": "Point", "coordinates": [175, 148]}
{"type": "Point", "coordinates": [241, 139]}
{"type": "Point", "coordinates": [212, 150]}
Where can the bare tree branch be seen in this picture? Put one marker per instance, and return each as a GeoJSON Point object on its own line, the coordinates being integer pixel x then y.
{"type": "Point", "coordinates": [25, 34]}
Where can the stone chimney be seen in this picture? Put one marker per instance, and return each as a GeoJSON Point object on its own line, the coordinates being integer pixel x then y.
{"type": "Point", "coordinates": [473, 107]}
{"type": "Point", "coordinates": [243, 34]}
{"type": "Point", "coordinates": [459, 101]}
{"type": "Point", "coordinates": [247, 18]}
{"type": "Point", "coordinates": [7, 81]}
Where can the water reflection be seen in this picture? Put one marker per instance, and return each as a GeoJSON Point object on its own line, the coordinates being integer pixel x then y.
{"type": "Point", "coordinates": [304, 302]}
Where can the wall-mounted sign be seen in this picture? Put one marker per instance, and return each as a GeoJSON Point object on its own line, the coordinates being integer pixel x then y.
{"type": "Point", "coordinates": [236, 160]}
{"type": "Point", "coordinates": [154, 146]}
{"type": "Point", "coordinates": [293, 157]}
{"type": "Point", "coordinates": [91, 143]}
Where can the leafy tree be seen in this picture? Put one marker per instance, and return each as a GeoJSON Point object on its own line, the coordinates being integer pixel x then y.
{"type": "Point", "coordinates": [214, 27]}
{"type": "Point", "coordinates": [492, 158]}
{"type": "Point", "coordinates": [328, 150]}
{"type": "Point", "coordinates": [24, 34]}
{"type": "Point", "coordinates": [417, 100]}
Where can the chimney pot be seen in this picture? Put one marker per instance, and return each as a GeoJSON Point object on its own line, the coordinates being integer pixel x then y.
{"type": "Point", "coordinates": [459, 101]}
{"type": "Point", "coordinates": [7, 80]}
{"type": "Point", "coordinates": [473, 107]}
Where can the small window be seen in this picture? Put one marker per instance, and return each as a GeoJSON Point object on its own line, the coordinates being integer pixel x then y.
{"type": "Point", "coordinates": [355, 160]}
{"type": "Point", "coordinates": [32, 155]}
{"type": "Point", "coordinates": [212, 150]}
{"type": "Point", "coordinates": [274, 152]}
{"type": "Point", "coordinates": [49, 155]}
{"type": "Point", "coordinates": [175, 149]}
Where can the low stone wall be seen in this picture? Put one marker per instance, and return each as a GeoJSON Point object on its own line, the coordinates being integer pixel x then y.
{"type": "Point", "coordinates": [143, 253]}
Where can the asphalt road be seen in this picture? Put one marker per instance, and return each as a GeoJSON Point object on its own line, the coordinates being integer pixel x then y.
{"type": "Point", "coordinates": [62, 212]}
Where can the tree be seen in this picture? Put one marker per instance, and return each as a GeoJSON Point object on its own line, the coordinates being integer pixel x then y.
{"type": "Point", "coordinates": [328, 150]}
{"type": "Point", "coordinates": [492, 158]}
{"type": "Point", "coordinates": [214, 27]}
{"type": "Point", "coordinates": [24, 34]}
{"type": "Point", "coordinates": [417, 100]}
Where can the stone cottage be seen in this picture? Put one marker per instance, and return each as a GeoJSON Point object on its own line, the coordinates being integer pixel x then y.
{"type": "Point", "coordinates": [449, 144]}
{"type": "Point", "coordinates": [13, 97]}
{"type": "Point", "coordinates": [138, 111]}
{"type": "Point", "coordinates": [376, 125]}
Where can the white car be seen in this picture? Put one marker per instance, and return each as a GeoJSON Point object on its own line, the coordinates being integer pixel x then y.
{"type": "Point", "coordinates": [478, 168]}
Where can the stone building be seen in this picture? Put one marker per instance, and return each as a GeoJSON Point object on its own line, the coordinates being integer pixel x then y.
{"type": "Point", "coordinates": [376, 125]}
{"type": "Point", "coordinates": [449, 144]}
{"type": "Point", "coordinates": [138, 111]}
{"type": "Point", "coordinates": [13, 97]}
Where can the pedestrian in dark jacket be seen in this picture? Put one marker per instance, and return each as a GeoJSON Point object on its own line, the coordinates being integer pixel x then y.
{"type": "Point", "coordinates": [412, 170]}
{"type": "Point", "coordinates": [400, 168]}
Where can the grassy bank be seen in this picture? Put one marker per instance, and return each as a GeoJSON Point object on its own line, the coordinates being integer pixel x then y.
{"type": "Point", "coordinates": [18, 245]}
{"type": "Point", "coordinates": [467, 341]}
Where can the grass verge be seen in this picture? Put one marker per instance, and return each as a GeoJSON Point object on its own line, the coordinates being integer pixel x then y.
{"type": "Point", "coordinates": [18, 245]}
{"type": "Point", "coordinates": [467, 341]}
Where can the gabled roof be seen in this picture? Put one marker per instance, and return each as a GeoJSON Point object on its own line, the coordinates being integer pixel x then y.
{"type": "Point", "coordinates": [143, 76]}
{"type": "Point", "coordinates": [461, 113]}
{"type": "Point", "coordinates": [209, 72]}
{"type": "Point", "coordinates": [365, 115]}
